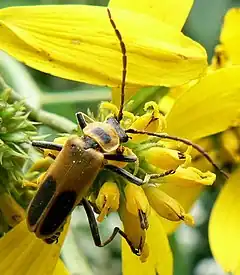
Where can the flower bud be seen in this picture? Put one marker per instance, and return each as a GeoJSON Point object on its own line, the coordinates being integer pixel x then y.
{"type": "Point", "coordinates": [166, 206]}
{"type": "Point", "coordinates": [12, 211]}
{"type": "Point", "coordinates": [190, 176]}
{"type": "Point", "coordinates": [107, 199]}
{"type": "Point", "coordinates": [137, 203]}
{"type": "Point", "coordinates": [135, 233]}
{"type": "Point", "coordinates": [165, 158]}
{"type": "Point", "coordinates": [41, 164]}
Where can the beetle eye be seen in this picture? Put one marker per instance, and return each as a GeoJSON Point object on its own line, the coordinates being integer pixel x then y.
{"type": "Point", "coordinates": [74, 147]}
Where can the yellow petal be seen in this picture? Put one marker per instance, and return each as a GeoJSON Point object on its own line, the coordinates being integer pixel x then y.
{"type": "Point", "coordinates": [78, 42]}
{"type": "Point", "coordinates": [23, 254]}
{"type": "Point", "coordinates": [230, 35]}
{"type": "Point", "coordinates": [129, 92]}
{"type": "Point", "coordinates": [164, 158]}
{"type": "Point", "coordinates": [237, 271]}
{"type": "Point", "coordinates": [186, 196]}
{"type": "Point", "coordinates": [60, 269]}
{"type": "Point", "coordinates": [172, 12]}
{"type": "Point", "coordinates": [224, 226]}
{"type": "Point", "coordinates": [160, 255]}
{"type": "Point", "coordinates": [208, 107]}
{"type": "Point", "coordinates": [230, 146]}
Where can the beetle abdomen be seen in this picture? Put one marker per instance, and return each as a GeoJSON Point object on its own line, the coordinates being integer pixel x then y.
{"type": "Point", "coordinates": [40, 201]}
{"type": "Point", "coordinates": [57, 214]}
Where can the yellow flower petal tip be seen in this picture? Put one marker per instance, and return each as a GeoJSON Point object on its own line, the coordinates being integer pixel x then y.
{"type": "Point", "coordinates": [188, 219]}
{"type": "Point", "coordinates": [145, 253]}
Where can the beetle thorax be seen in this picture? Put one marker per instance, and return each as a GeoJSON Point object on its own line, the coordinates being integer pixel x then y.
{"type": "Point", "coordinates": [104, 135]}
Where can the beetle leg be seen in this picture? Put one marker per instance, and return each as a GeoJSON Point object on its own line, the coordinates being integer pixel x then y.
{"type": "Point", "coordinates": [95, 231]}
{"type": "Point", "coordinates": [130, 177]}
{"type": "Point", "coordinates": [47, 145]}
{"type": "Point", "coordinates": [124, 173]}
{"type": "Point", "coordinates": [157, 176]}
{"type": "Point", "coordinates": [119, 157]}
{"type": "Point", "coordinates": [81, 120]}
{"type": "Point", "coordinates": [53, 239]}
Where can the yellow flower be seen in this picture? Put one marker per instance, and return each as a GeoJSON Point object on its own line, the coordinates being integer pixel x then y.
{"type": "Point", "coordinates": [163, 57]}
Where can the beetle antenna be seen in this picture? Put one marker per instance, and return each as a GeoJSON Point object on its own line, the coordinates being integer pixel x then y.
{"type": "Point", "coordinates": [183, 140]}
{"type": "Point", "coordinates": [124, 64]}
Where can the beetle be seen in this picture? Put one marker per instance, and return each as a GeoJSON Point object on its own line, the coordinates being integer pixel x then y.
{"type": "Point", "coordinates": [79, 161]}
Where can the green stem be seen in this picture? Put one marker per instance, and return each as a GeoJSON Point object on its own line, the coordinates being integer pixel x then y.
{"type": "Point", "coordinates": [100, 94]}
{"type": "Point", "coordinates": [56, 122]}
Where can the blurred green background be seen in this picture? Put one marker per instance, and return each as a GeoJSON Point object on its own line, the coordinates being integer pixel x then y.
{"type": "Point", "coordinates": [190, 245]}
